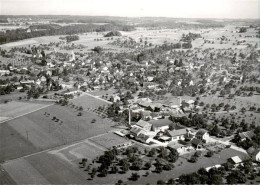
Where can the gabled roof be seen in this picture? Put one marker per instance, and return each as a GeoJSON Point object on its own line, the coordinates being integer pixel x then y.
{"type": "Point", "coordinates": [143, 124]}
{"type": "Point", "coordinates": [247, 134]}
{"type": "Point", "coordinates": [160, 122]}
{"type": "Point", "coordinates": [201, 132]}
{"type": "Point", "coordinates": [196, 141]}
{"type": "Point", "coordinates": [236, 159]}
{"type": "Point", "coordinates": [143, 136]}
{"type": "Point", "coordinates": [136, 129]}
{"type": "Point", "coordinates": [174, 133]}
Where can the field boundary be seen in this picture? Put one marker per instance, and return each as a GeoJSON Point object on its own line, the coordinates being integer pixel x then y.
{"type": "Point", "coordinates": [26, 113]}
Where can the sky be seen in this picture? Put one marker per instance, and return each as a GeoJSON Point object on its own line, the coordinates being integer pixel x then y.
{"type": "Point", "coordinates": [135, 8]}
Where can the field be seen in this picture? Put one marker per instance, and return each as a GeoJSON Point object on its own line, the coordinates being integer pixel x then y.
{"type": "Point", "coordinates": [33, 41]}
{"type": "Point", "coordinates": [42, 168]}
{"type": "Point", "coordinates": [39, 130]}
{"type": "Point", "coordinates": [75, 152]}
{"type": "Point", "coordinates": [44, 132]}
{"type": "Point", "coordinates": [13, 144]}
{"type": "Point", "coordinates": [14, 109]}
{"type": "Point", "coordinates": [87, 101]}
{"type": "Point", "coordinates": [109, 140]}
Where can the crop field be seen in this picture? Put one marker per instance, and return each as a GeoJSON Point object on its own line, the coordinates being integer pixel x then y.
{"type": "Point", "coordinates": [109, 140]}
{"type": "Point", "coordinates": [13, 109]}
{"type": "Point", "coordinates": [44, 132]}
{"type": "Point", "coordinates": [43, 168]}
{"type": "Point", "coordinates": [5, 177]}
{"type": "Point", "coordinates": [13, 144]}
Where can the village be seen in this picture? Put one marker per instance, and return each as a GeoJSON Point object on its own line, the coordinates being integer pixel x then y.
{"type": "Point", "coordinates": [174, 100]}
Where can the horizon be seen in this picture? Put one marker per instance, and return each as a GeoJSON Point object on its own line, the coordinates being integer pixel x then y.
{"type": "Point", "coordinates": [189, 9]}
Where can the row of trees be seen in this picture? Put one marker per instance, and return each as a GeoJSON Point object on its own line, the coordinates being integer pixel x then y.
{"type": "Point", "coordinates": [20, 34]}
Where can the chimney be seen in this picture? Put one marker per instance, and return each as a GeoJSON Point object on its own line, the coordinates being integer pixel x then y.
{"type": "Point", "coordinates": [129, 117]}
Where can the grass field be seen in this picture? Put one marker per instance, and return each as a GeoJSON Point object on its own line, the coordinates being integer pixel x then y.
{"type": "Point", "coordinates": [75, 152]}
{"type": "Point", "coordinates": [87, 101]}
{"type": "Point", "coordinates": [109, 140]}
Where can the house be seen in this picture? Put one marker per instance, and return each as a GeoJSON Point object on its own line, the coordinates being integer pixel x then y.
{"type": "Point", "coordinates": [202, 135]}
{"type": "Point", "coordinates": [115, 98]}
{"type": "Point", "coordinates": [246, 135]}
{"type": "Point", "coordinates": [140, 134]}
{"type": "Point", "coordinates": [4, 72]}
{"type": "Point", "coordinates": [160, 124]}
{"type": "Point", "coordinates": [197, 143]}
{"type": "Point", "coordinates": [235, 159]}
{"type": "Point", "coordinates": [144, 125]}
{"type": "Point", "coordinates": [144, 137]}
{"type": "Point", "coordinates": [254, 153]}
{"type": "Point", "coordinates": [181, 149]}
{"type": "Point", "coordinates": [176, 134]}
{"type": "Point", "coordinates": [135, 131]}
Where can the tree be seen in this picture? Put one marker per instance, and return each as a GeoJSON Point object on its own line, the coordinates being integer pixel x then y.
{"type": "Point", "coordinates": [171, 181]}
{"type": "Point", "coordinates": [135, 176]}
{"type": "Point", "coordinates": [171, 126]}
{"type": "Point", "coordinates": [147, 165]}
{"type": "Point", "coordinates": [210, 153]}
{"type": "Point", "coordinates": [160, 182]}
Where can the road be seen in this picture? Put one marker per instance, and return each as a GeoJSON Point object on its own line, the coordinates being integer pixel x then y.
{"type": "Point", "coordinates": [97, 97]}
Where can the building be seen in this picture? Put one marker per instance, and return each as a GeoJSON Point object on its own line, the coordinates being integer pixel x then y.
{"type": "Point", "coordinates": [176, 134]}
{"type": "Point", "coordinates": [235, 160]}
{"type": "Point", "coordinates": [181, 149]}
{"type": "Point", "coordinates": [246, 135]}
{"type": "Point", "coordinates": [197, 143]}
{"type": "Point", "coordinates": [202, 135]}
{"type": "Point", "coordinates": [144, 125]}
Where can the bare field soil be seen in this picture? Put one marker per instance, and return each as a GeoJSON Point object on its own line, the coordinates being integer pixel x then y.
{"type": "Point", "coordinates": [13, 109]}
{"type": "Point", "coordinates": [12, 144]}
